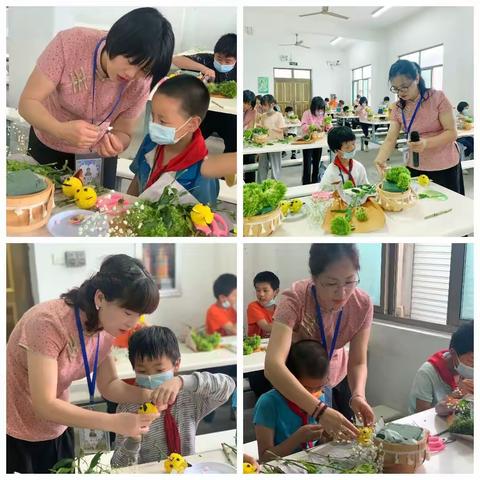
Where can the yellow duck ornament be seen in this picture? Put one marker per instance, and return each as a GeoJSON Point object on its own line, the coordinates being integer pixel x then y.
{"type": "Point", "coordinates": [147, 407]}
{"type": "Point", "coordinates": [249, 468]}
{"type": "Point", "coordinates": [86, 198]}
{"type": "Point", "coordinates": [365, 436]}
{"type": "Point", "coordinates": [175, 462]}
{"type": "Point", "coordinates": [70, 185]}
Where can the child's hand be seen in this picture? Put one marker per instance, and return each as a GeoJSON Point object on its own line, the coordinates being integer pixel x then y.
{"type": "Point", "coordinates": [166, 394]}
{"type": "Point", "coordinates": [309, 433]}
{"type": "Point", "coordinates": [109, 146]}
{"type": "Point", "coordinates": [466, 386]}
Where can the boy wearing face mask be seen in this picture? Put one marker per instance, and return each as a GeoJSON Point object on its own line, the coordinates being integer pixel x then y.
{"type": "Point", "coordinates": [174, 144]}
{"type": "Point", "coordinates": [341, 140]}
{"type": "Point", "coordinates": [222, 315]}
{"type": "Point", "coordinates": [281, 426]}
{"type": "Point", "coordinates": [260, 313]}
{"type": "Point", "coordinates": [446, 376]}
{"type": "Point", "coordinates": [186, 399]}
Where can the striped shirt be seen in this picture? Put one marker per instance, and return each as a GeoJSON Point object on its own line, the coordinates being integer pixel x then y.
{"type": "Point", "coordinates": [202, 393]}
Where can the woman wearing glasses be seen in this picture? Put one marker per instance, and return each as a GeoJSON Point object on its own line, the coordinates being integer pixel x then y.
{"type": "Point", "coordinates": [428, 112]}
{"type": "Point", "coordinates": [89, 87]}
{"type": "Point", "coordinates": [327, 307]}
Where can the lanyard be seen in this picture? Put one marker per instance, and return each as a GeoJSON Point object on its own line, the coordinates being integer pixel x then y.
{"type": "Point", "coordinates": [342, 168]}
{"type": "Point", "coordinates": [120, 92]}
{"type": "Point", "coordinates": [322, 329]}
{"type": "Point", "coordinates": [90, 380]}
{"type": "Point", "coordinates": [407, 129]}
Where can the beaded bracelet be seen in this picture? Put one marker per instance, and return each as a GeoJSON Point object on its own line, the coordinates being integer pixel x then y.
{"type": "Point", "coordinates": [317, 408]}
{"type": "Point", "coordinates": [322, 411]}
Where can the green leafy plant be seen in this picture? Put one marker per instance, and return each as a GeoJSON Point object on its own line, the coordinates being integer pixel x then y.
{"type": "Point", "coordinates": [313, 128]}
{"type": "Point", "coordinates": [80, 465]}
{"type": "Point", "coordinates": [463, 422]}
{"type": "Point", "coordinates": [250, 344]}
{"type": "Point", "coordinates": [361, 214]}
{"type": "Point", "coordinates": [327, 120]}
{"type": "Point", "coordinates": [248, 135]}
{"type": "Point", "coordinates": [262, 198]}
{"type": "Point", "coordinates": [348, 184]}
{"type": "Point", "coordinates": [227, 89]}
{"type": "Point", "coordinates": [397, 179]}
{"type": "Point", "coordinates": [49, 170]}
{"type": "Point", "coordinates": [204, 342]}
{"type": "Point", "coordinates": [341, 225]}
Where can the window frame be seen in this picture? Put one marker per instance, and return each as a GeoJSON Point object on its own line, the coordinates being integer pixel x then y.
{"type": "Point", "coordinates": [430, 67]}
{"type": "Point", "coordinates": [361, 80]}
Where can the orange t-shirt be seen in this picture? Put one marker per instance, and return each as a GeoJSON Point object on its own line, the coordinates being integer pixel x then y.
{"type": "Point", "coordinates": [255, 313]}
{"type": "Point", "coordinates": [217, 317]}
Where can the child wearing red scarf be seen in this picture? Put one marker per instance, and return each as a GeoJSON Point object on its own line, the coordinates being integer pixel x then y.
{"type": "Point", "coordinates": [183, 400]}
{"type": "Point", "coordinates": [281, 426]}
{"type": "Point", "coordinates": [341, 141]}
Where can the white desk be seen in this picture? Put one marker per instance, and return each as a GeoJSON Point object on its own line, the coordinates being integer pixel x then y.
{"type": "Point", "coordinates": [223, 105]}
{"type": "Point", "coordinates": [409, 222]}
{"type": "Point", "coordinates": [285, 147]}
{"type": "Point", "coordinates": [255, 361]}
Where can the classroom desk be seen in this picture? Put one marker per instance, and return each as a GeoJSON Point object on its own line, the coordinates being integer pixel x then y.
{"type": "Point", "coordinates": [457, 457]}
{"type": "Point", "coordinates": [223, 105]}
{"type": "Point", "coordinates": [409, 222]}
{"type": "Point", "coordinates": [191, 361]}
{"type": "Point", "coordinates": [342, 119]}
{"type": "Point", "coordinates": [207, 447]}
{"type": "Point", "coordinates": [375, 124]}
{"type": "Point", "coordinates": [255, 361]}
{"type": "Point", "coordinates": [285, 147]}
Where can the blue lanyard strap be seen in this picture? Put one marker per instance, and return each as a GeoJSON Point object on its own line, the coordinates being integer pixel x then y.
{"type": "Point", "coordinates": [322, 329]}
{"type": "Point", "coordinates": [93, 379]}
{"type": "Point", "coordinates": [120, 92]}
{"type": "Point", "coordinates": [407, 129]}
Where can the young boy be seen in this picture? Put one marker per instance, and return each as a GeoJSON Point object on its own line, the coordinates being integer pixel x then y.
{"type": "Point", "coordinates": [341, 140]}
{"type": "Point", "coordinates": [281, 426]}
{"type": "Point", "coordinates": [221, 66]}
{"type": "Point", "coordinates": [260, 313]}
{"type": "Point", "coordinates": [155, 357]}
{"type": "Point", "coordinates": [222, 315]}
{"type": "Point", "coordinates": [447, 375]}
{"type": "Point", "coordinates": [175, 144]}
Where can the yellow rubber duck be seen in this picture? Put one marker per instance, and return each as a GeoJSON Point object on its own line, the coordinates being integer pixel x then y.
{"type": "Point", "coordinates": [423, 180]}
{"type": "Point", "coordinates": [201, 215]}
{"type": "Point", "coordinates": [85, 197]}
{"type": "Point", "coordinates": [175, 462]}
{"type": "Point", "coordinates": [70, 185]}
{"type": "Point", "coordinates": [148, 407]}
{"type": "Point", "coordinates": [365, 435]}
{"type": "Point", "coordinates": [296, 205]}
{"type": "Point", "coordinates": [248, 468]}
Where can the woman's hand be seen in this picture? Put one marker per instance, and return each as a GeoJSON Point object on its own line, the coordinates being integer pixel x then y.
{"type": "Point", "coordinates": [166, 394]}
{"type": "Point", "coordinates": [418, 147]}
{"type": "Point", "coordinates": [79, 133]}
{"type": "Point", "coordinates": [362, 410]}
{"type": "Point", "coordinates": [132, 424]}
{"type": "Point", "coordinates": [336, 425]}
{"type": "Point", "coordinates": [109, 145]}
{"type": "Point", "coordinates": [309, 433]}
{"type": "Point", "coordinates": [381, 168]}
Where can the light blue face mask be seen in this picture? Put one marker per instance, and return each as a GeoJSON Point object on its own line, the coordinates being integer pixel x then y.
{"type": "Point", "coordinates": [464, 370]}
{"type": "Point", "coordinates": [221, 68]}
{"type": "Point", "coordinates": [153, 381]}
{"type": "Point", "coordinates": [163, 135]}
{"type": "Point", "coordinates": [349, 155]}
{"type": "Point", "coordinates": [226, 304]}
{"type": "Point", "coordinates": [271, 303]}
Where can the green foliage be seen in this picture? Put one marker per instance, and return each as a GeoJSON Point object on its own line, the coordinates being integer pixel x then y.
{"type": "Point", "coordinates": [227, 89]}
{"type": "Point", "coordinates": [313, 128]}
{"type": "Point", "coordinates": [463, 422]}
{"type": "Point", "coordinates": [400, 176]}
{"type": "Point", "coordinates": [204, 342]}
{"type": "Point", "coordinates": [348, 184]}
{"type": "Point", "coordinates": [261, 198]}
{"type": "Point", "coordinates": [403, 181]}
{"type": "Point", "coordinates": [341, 226]}
{"type": "Point", "coordinates": [250, 344]}
{"type": "Point", "coordinates": [49, 170]}
{"type": "Point", "coordinates": [361, 214]}
{"type": "Point", "coordinates": [248, 135]}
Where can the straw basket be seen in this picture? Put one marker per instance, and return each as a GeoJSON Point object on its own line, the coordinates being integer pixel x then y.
{"type": "Point", "coordinates": [262, 225]}
{"type": "Point", "coordinates": [467, 125]}
{"type": "Point", "coordinates": [395, 201]}
{"type": "Point", "coordinates": [399, 458]}
{"type": "Point", "coordinates": [317, 135]}
{"type": "Point", "coordinates": [261, 139]}
{"type": "Point", "coordinates": [26, 213]}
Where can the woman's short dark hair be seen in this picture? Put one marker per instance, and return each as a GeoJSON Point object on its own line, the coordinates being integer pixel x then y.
{"type": "Point", "coordinates": [337, 136]}
{"type": "Point", "coordinates": [324, 254]}
{"type": "Point", "coordinates": [267, 277]}
{"type": "Point", "coordinates": [227, 45]}
{"type": "Point", "coordinates": [410, 70]}
{"type": "Point", "coordinates": [317, 103]}
{"type": "Point", "coordinates": [146, 38]}
{"type": "Point", "coordinates": [268, 100]}
{"type": "Point", "coordinates": [122, 279]}
{"type": "Point", "coordinates": [462, 339]}
{"type": "Point", "coordinates": [249, 97]}
{"type": "Point", "coordinates": [307, 358]}
{"type": "Point", "coordinates": [461, 106]}
{"type": "Point", "coordinates": [363, 100]}
{"type": "Point", "coordinates": [150, 343]}
{"type": "Point", "coordinates": [225, 284]}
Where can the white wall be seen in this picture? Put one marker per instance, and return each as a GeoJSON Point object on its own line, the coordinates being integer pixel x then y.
{"type": "Point", "coordinates": [30, 29]}
{"type": "Point", "coordinates": [200, 266]}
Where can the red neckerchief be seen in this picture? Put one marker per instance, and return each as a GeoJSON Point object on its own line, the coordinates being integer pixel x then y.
{"type": "Point", "coordinates": [303, 417]}
{"type": "Point", "coordinates": [171, 432]}
{"type": "Point", "coordinates": [342, 168]}
{"type": "Point", "coordinates": [439, 363]}
{"type": "Point", "coordinates": [195, 152]}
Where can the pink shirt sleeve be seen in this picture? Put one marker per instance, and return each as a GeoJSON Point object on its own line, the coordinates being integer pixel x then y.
{"type": "Point", "coordinates": [289, 309]}
{"type": "Point", "coordinates": [443, 102]}
{"type": "Point", "coordinates": [52, 60]}
{"type": "Point", "coordinates": [306, 120]}
{"type": "Point", "coordinates": [43, 335]}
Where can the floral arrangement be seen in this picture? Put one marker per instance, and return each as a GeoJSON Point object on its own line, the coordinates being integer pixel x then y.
{"type": "Point", "coordinates": [260, 198]}
{"type": "Point", "coordinates": [397, 179]}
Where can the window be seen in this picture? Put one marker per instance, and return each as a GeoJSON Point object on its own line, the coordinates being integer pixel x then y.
{"type": "Point", "coordinates": [431, 64]}
{"type": "Point", "coordinates": [304, 74]}
{"type": "Point", "coordinates": [292, 73]}
{"type": "Point", "coordinates": [282, 72]}
{"type": "Point", "coordinates": [371, 269]}
{"type": "Point", "coordinates": [467, 288]}
{"type": "Point", "coordinates": [362, 82]}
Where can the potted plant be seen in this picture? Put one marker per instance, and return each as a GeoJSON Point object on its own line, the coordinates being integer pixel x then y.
{"type": "Point", "coordinates": [327, 123]}
{"type": "Point", "coordinates": [395, 193]}
{"type": "Point", "coordinates": [260, 135]}
{"type": "Point", "coordinates": [468, 123]}
{"type": "Point", "coordinates": [315, 132]}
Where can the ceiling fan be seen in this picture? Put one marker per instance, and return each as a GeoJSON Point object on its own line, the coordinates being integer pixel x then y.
{"type": "Point", "coordinates": [298, 43]}
{"type": "Point", "coordinates": [325, 11]}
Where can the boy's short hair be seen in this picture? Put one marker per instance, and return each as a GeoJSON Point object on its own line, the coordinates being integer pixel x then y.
{"type": "Point", "coordinates": [462, 339]}
{"type": "Point", "coordinates": [337, 136]}
{"type": "Point", "coordinates": [267, 277]}
{"type": "Point", "coordinates": [386, 99]}
{"type": "Point", "coordinates": [288, 109]}
{"type": "Point", "coordinates": [346, 108]}
{"type": "Point", "coordinates": [227, 45]}
{"type": "Point", "coordinates": [191, 91]}
{"type": "Point", "coordinates": [150, 46]}
{"type": "Point", "coordinates": [225, 284]}
{"type": "Point", "coordinates": [153, 342]}
{"type": "Point", "coordinates": [307, 358]}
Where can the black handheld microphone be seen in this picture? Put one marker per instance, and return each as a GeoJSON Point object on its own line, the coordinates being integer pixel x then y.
{"type": "Point", "coordinates": [415, 137]}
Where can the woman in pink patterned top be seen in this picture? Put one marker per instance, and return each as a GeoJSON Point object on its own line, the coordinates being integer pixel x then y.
{"type": "Point", "coordinates": [87, 81]}
{"type": "Point", "coordinates": [44, 356]}
{"type": "Point", "coordinates": [329, 300]}
{"type": "Point", "coordinates": [434, 120]}
{"type": "Point", "coordinates": [312, 156]}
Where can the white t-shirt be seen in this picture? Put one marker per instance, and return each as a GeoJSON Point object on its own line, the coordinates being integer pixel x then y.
{"type": "Point", "coordinates": [333, 174]}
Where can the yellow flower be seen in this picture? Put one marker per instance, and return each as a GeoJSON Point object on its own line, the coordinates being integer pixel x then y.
{"type": "Point", "coordinates": [201, 215]}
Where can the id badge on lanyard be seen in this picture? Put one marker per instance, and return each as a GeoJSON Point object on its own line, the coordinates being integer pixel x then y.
{"type": "Point", "coordinates": [407, 129]}
{"type": "Point", "coordinates": [90, 440]}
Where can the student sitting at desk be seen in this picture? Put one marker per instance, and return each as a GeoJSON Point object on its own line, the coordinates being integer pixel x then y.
{"type": "Point", "coordinates": [222, 315]}
{"type": "Point", "coordinates": [183, 399]}
{"type": "Point", "coordinates": [281, 427]}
